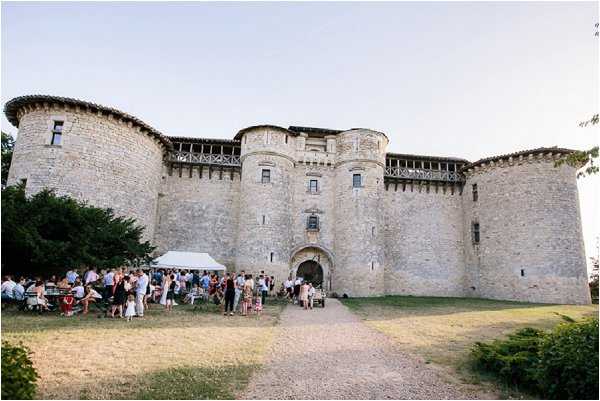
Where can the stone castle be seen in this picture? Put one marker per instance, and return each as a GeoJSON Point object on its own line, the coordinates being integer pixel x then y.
{"type": "Point", "coordinates": [330, 205]}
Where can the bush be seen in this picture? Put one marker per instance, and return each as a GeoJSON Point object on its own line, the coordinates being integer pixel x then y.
{"type": "Point", "coordinates": [514, 360]}
{"type": "Point", "coordinates": [18, 373]}
{"type": "Point", "coordinates": [569, 361]}
{"type": "Point", "coordinates": [562, 363]}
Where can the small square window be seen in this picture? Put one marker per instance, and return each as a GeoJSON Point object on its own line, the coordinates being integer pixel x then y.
{"type": "Point", "coordinates": [266, 176]}
{"type": "Point", "coordinates": [356, 180]}
{"type": "Point", "coordinates": [313, 186]}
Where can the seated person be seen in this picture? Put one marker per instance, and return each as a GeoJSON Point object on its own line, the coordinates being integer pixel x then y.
{"type": "Point", "coordinates": [63, 284]}
{"type": "Point", "coordinates": [20, 290]}
{"type": "Point", "coordinates": [196, 293]}
{"type": "Point", "coordinates": [51, 282]}
{"type": "Point", "coordinates": [8, 289]}
{"type": "Point", "coordinates": [88, 296]}
{"type": "Point", "coordinates": [78, 290]}
{"type": "Point", "coordinates": [39, 293]}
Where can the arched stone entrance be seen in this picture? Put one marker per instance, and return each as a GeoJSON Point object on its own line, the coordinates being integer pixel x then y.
{"type": "Point", "coordinates": [311, 272]}
{"type": "Point", "coordinates": [309, 256]}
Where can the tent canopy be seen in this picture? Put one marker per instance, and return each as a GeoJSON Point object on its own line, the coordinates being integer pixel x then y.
{"type": "Point", "coordinates": [187, 260]}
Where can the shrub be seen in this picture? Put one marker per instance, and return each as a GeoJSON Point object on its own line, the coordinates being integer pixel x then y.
{"type": "Point", "coordinates": [569, 361]}
{"type": "Point", "coordinates": [562, 363]}
{"type": "Point", "coordinates": [18, 373]}
{"type": "Point", "coordinates": [514, 360]}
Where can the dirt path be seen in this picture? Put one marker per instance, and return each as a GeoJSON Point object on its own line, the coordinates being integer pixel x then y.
{"type": "Point", "coordinates": [330, 354]}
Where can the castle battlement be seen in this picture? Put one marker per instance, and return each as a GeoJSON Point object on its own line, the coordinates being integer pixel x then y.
{"type": "Point", "coordinates": [331, 205]}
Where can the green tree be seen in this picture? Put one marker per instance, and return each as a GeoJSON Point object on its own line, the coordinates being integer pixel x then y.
{"type": "Point", "coordinates": [8, 143]}
{"type": "Point", "coordinates": [48, 234]}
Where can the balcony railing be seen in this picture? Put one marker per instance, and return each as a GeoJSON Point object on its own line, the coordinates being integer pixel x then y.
{"type": "Point", "coordinates": [205, 158]}
{"type": "Point", "coordinates": [423, 174]}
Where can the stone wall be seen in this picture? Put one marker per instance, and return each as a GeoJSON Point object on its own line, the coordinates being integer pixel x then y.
{"type": "Point", "coordinates": [101, 160]}
{"type": "Point", "coordinates": [423, 240]}
{"type": "Point", "coordinates": [531, 243]}
{"type": "Point", "coordinates": [199, 214]}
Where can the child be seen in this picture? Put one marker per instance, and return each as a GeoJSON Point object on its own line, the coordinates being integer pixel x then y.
{"type": "Point", "coordinates": [258, 306]}
{"type": "Point", "coordinates": [130, 311]}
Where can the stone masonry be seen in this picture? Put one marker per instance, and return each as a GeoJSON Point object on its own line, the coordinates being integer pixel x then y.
{"type": "Point", "coordinates": [274, 198]}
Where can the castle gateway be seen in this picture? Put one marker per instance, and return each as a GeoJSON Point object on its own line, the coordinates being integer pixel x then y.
{"type": "Point", "coordinates": [332, 205]}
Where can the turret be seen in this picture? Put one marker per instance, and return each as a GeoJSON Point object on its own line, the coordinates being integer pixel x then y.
{"type": "Point", "coordinates": [90, 152]}
{"type": "Point", "coordinates": [523, 237]}
{"type": "Point", "coordinates": [359, 245]}
{"type": "Point", "coordinates": [264, 235]}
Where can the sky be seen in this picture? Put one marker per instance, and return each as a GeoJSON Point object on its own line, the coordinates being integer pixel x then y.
{"type": "Point", "coordinates": [468, 80]}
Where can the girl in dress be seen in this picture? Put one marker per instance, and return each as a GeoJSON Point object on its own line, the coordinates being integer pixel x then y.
{"type": "Point", "coordinates": [165, 289]}
{"type": "Point", "coordinates": [130, 311]}
{"type": "Point", "coordinates": [258, 305]}
{"type": "Point", "coordinates": [247, 294]}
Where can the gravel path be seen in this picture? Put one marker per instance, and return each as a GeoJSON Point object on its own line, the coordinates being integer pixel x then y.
{"type": "Point", "coordinates": [330, 354]}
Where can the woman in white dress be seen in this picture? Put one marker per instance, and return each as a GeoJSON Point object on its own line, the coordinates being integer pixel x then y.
{"type": "Point", "coordinates": [165, 288]}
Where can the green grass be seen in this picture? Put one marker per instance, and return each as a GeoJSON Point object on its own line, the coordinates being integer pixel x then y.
{"type": "Point", "coordinates": [193, 352]}
{"type": "Point", "coordinates": [443, 330]}
{"type": "Point", "coordinates": [191, 383]}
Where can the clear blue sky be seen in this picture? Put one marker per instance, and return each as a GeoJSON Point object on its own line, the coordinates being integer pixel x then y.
{"type": "Point", "coordinates": [457, 79]}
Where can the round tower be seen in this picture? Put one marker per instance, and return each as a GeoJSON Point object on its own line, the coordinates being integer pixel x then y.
{"type": "Point", "coordinates": [264, 234]}
{"type": "Point", "coordinates": [89, 152]}
{"type": "Point", "coordinates": [359, 246]}
{"type": "Point", "coordinates": [523, 236]}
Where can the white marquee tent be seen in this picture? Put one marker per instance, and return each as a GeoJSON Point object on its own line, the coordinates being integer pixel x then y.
{"type": "Point", "coordinates": [187, 260]}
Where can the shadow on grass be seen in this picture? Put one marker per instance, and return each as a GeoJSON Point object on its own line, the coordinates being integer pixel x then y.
{"type": "Point", "coordinates": [193, 383]}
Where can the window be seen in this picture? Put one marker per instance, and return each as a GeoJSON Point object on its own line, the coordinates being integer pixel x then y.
{"type": "Point", "coordinates": [286, 139]}
{"type": "Point", "coordinates": [372, 266]}
{"type": "Point", "coordinates": [313, 223]}
{"type": "Point", "coordinates": [266, 176]}
{"type": "Point", "coordinates": [475, 193]}
{"type": "Point", "coordinates": [313, 186]}
{"type": "Point", "coordinates": [271, 256]}
{"type": "Point", "coordinates": [57, 133]}
{"type": "Point", "coordinates": [475, 232]}
{"type": "Point", "coordinates": [356, 181]}
{"type": "Point", "coordinates": [263, 219]}
{"type": "Point", "coordinates": [522, 272]}
{"type": "Point", "coordinates": [373, 231]}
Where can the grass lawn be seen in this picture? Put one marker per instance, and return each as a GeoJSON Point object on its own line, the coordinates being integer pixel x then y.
{"type": "Point", "coordinates": [442, 330]}
{"type": "Point", "coordinates": [191, 353]}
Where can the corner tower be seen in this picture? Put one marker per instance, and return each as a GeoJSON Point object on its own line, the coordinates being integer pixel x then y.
{"type": "Point", "coordinates": [90, 152]}
{"type": "Point", "coordinates": [359, 245]}
{"type": "Point", "coordinates": [523, 237]}
{"type": "Point", "coordinates": [264, 234]}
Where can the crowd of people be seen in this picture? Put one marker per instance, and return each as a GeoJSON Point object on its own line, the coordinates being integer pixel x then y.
{"type": "Point", "coordinates": [128, 292]}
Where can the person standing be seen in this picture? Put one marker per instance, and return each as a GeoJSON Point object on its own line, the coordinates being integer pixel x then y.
{"type": "Point", "coordinates": [247, 294]}
{"type": "Point", "coordinates": [108, 283]}
{"type": "Point", "coordinates": [311, 295]}
{"type": "Point", "coordinates": [297, 285]}
{"type": "Point", "coordinates": [119, 296]}
{"type": "Point", "coordinates": [304, 295]}
{"type": "Point", "coordinates": [229, 293]}
{"type": "Point", "coordinates": [91, 277]}
{"type": "Point", "coordinates": [239, 285]}
{"type": "Point", "coordinates": [141, 290]}
{"type": "Point", "coordinates": [271, 285]}
{"type": "Point", "coordinates": [289, 288]}
{"type": "Point", "coordinates": [263, 287]}
{"type": "Point", "coordinates": [205, 282]}
{"type": "Point", "coordinates": [171, 292]}
{"type": "Point", "coordinates": [72, 276]}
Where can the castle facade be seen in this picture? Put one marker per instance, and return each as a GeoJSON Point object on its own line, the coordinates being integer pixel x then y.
{"type": "Point", "coordinates": [330, 205]}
